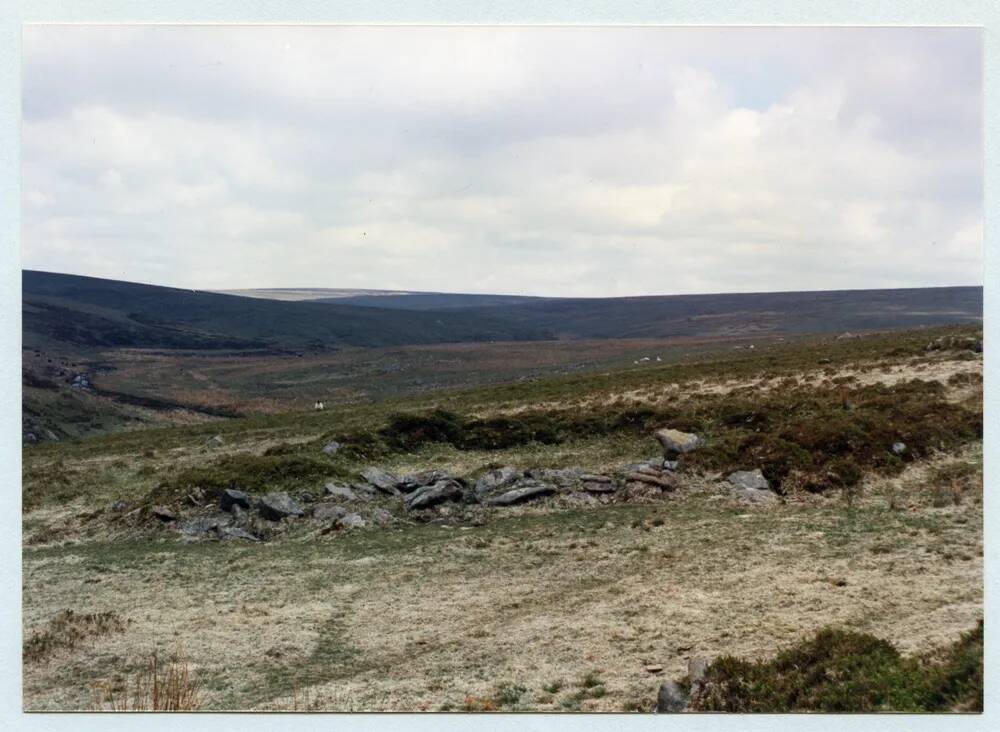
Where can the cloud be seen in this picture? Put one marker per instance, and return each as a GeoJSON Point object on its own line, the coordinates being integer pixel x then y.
{"type": "Point", "coordinates": [559, 161]}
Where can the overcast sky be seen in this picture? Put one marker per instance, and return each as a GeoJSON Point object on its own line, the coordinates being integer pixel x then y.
{"type": "Point", "coordinates": [549, 161]}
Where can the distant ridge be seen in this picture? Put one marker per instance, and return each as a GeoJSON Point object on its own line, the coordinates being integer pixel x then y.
{"type": "Point", "coordinates": [100, 313]}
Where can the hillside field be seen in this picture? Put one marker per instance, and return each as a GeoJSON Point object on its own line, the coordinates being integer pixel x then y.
{"type": "Point", "coordinates": [588, 597]}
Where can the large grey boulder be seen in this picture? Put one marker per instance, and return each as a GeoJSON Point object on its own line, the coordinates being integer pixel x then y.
{"type": "Point", "coordinates": [675, 442]}
{"type": "Point", "coordinates": [528, 491]}
{"type": "Point", "coordinates": [343, 492]}
{"type": "Point", "coordinates": [431, 495]}
{"type": "Point", "coordinates": [749, 480]}
{"type": "Point", "coordinates": [276, 506]}
{"type": "Point", "coordinates": [496, 479]}
{"type": "Point", "coordinates": [671, 698]}
{"type": "Point", "coordinates": [331, 448]}
{"type": "Point", "coordinates": [231, 497]}
{"type": "Point", "coordinates": [385, 482]}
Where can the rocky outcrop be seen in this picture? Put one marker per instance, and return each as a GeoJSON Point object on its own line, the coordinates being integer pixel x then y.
{"type": "Point", "coordinates": [495, 480]}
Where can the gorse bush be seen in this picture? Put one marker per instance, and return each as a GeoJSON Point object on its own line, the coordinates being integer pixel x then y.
{"type": "Point", "coordinates": [841, 671]}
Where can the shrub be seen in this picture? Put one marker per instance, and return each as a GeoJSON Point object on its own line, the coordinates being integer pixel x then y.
{"type": "Point", "coordinates": [67, 629]}
{"type": "Point", "coordinates": [842, 671]}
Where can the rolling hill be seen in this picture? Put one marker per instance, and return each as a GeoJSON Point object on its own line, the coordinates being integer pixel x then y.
{"type": "Point", "coordinates": [92, 312]}
{"type": "Point", "coordinates": [87, 311]}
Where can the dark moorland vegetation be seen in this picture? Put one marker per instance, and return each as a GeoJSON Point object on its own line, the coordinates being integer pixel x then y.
{"type": "Point", "coordinates": [842, 671]}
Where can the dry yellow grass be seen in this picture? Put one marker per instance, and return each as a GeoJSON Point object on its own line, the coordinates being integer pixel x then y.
{"type": "Point", "coordinates": [423, 617]}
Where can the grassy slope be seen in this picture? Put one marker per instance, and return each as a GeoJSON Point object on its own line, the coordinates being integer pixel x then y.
{"type": "Point", "coordinates": [426, 617]}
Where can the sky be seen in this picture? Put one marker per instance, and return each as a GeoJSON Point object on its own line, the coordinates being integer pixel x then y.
{"type": "Point", "coordinates": [554, 161]}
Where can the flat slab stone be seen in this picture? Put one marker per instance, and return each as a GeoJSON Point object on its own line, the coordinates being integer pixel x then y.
{"type": "Point", "coordinates": [522, 495]}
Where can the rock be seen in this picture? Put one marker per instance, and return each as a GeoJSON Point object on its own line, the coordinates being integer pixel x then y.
{"type": "Point", "coordinates": [579, 498]}
{"type": "Point", "coordinates": [343, 492]}
{"type": "Point", "coordinates": [410, 483]}
{"type": "Point", "coordinates": [749, 480]}
{"type": "Point", "coordinates": [663, 481]}
{"type": "Point", "coordinates": [331, 448]}
{"type": "Point", "coordinates": [637, 492]}
{"type": "Point", "coordinates": [231, 497]}
{"type": "Point", "coordinates": [328, 512]}
{"type": "Point", "coordinates": [119, 506]}
{"type": "Point", "coordinates": [671, 698]}
{"type": "Point", "coordinates": [233, 532]}
{"type": "Point", "coordinates": [599, 486]}
{"type": "Point", "coordinates": [697, 666]}
{"type": "Point", "coordinates": [276, 506]}
{"type": "Point", "coordinates": [753, 496]}
{"type": "Point", "coordinates": [824, 361]}
{"type": "Point", "coordinates": [351, 521]}
{"type": "Point", "coordinates": [496, 479]}
{"type": "Point", "coordinates": [671, 465]}
{"type": "Point", "coordinates": [431, 495]}
{"type": "Point", "coordinates": [562, 477]}
{"type": "Point", "coordinates": [654, 668]}
{"type": "Point", "coordinates": [898, 448]}
{"type": "Point", "coordinates": [675, 442]}
{"type": "Point", "coordinates": [528, 492]}
{"type": "Point", "coordinates": [385, 482]}
{"type": "Point", "coordinates": [593, 478]}
{"type": "Point", "coordinates": [216, 441]}
{"type": "Point", "coordinates": [164, 514]}
{"type": "Point", "coordinates": [381, 517]}
{"type": "Point", "coordinates": [201, 526]}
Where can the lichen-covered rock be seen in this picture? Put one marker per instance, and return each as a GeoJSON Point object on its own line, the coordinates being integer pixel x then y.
{"type": "Point", "coordinates": [675, 442]}
{"type": "Point", "coordinates": [749, 479]}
